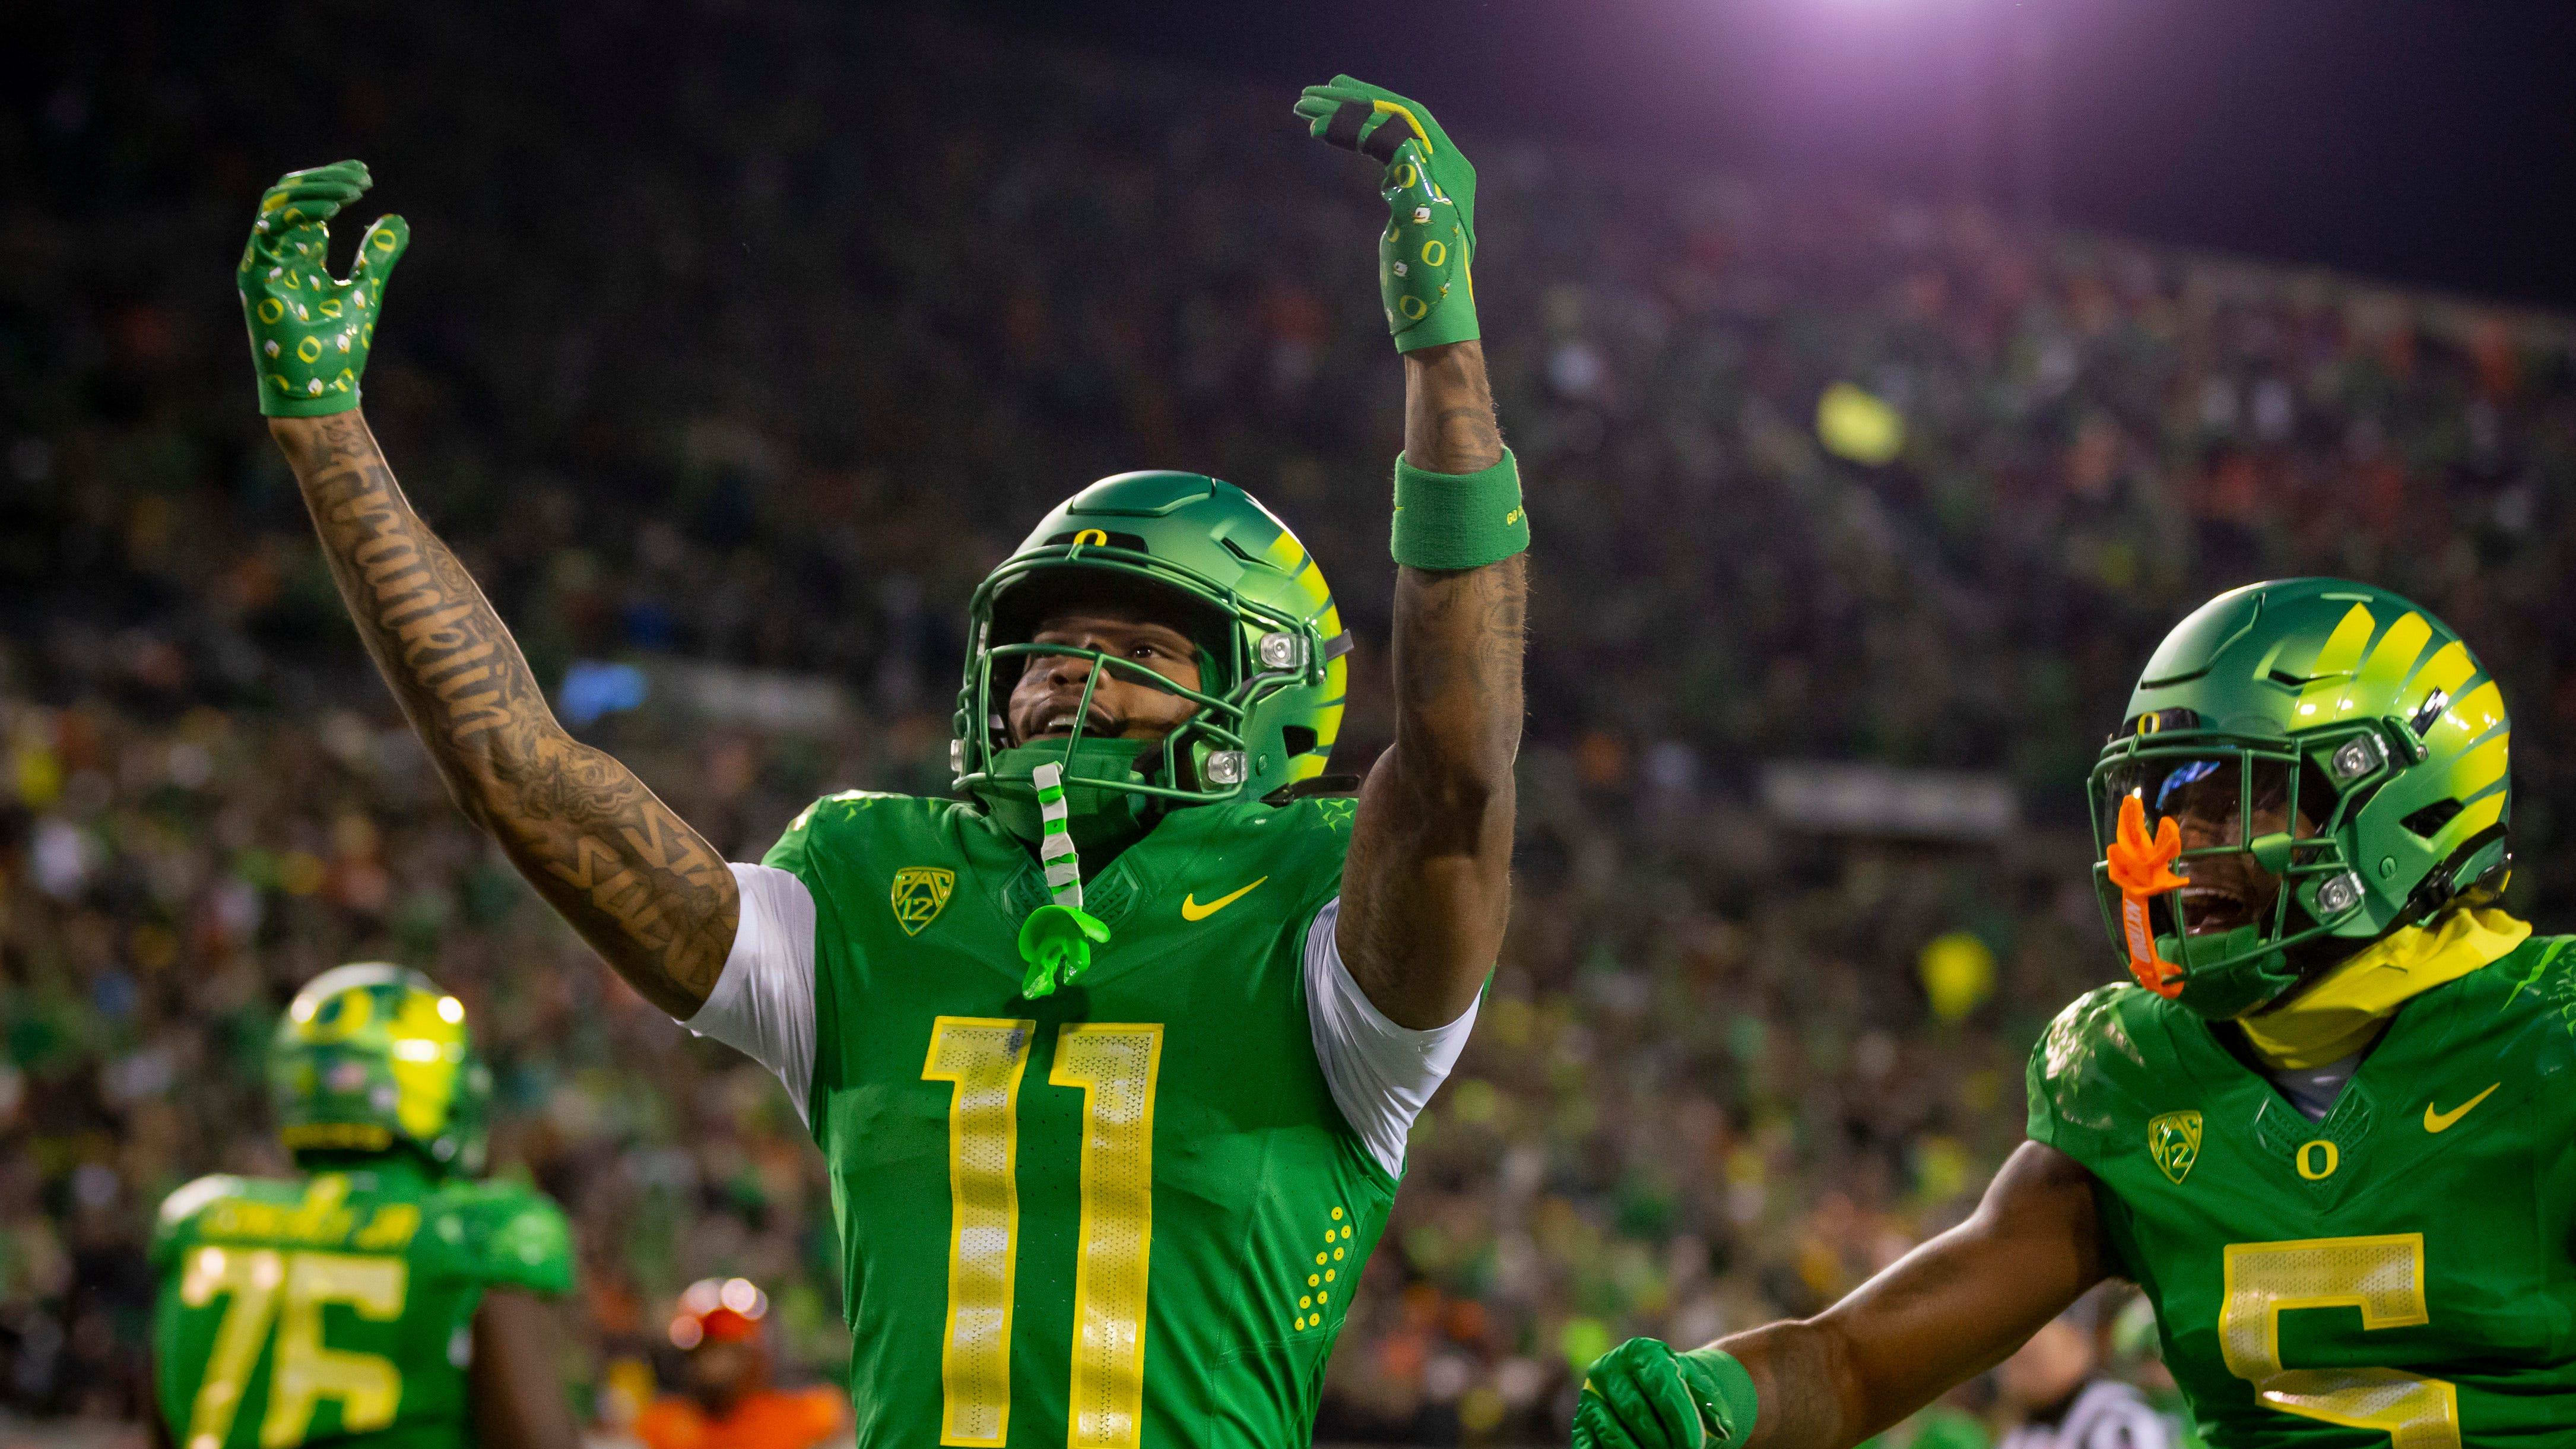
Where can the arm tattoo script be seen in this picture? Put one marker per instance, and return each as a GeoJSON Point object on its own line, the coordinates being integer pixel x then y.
{"type": "Point", "coordinates": [1427, 887]}
{"type": "Point", "coordinates": [646, 891]}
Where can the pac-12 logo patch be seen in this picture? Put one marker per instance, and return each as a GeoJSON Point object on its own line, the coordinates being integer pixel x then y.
{"type": "Point", "coordinates": [920, 892]}
{"type": "Point", "coordinates": [2173, 1140]}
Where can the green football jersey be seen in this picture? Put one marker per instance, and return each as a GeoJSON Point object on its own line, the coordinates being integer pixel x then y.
{"type": "Point", "coordinates": [2397, 1274]}
{"type": "Point", "coordinates": [338, 1305]}
{"type": "Point", "coordinates": [1128, 1213]}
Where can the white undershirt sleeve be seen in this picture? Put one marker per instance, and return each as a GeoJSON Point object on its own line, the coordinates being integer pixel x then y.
{"type": "Point", "coordinates": [1381, 1074]}
{"type": "Point", "coordinates": [763, 1004]}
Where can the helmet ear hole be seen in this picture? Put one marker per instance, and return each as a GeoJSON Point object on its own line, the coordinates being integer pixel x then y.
{"type": "Point", "coordinates": [1299, 739]}
{"type": "Point", "coordinates": [2428, 822]}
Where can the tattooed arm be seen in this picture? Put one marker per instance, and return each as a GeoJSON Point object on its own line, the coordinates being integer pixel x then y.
{"type": "Point", "coordinates": [646, 891]}
{"type": "Point", "coordinates": [1428, 882]}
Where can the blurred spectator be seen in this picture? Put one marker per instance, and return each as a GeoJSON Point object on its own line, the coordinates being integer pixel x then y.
{"type": "Point", "coordinates": [725, 1400]}
{"type": "Point", "coordinates": [2057, 1395]}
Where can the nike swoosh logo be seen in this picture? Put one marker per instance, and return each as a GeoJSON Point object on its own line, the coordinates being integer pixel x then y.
{"type": "Point", "coordinates": [1191, 910]}
{"type": "Point", "coordinates": [2441, 1121]}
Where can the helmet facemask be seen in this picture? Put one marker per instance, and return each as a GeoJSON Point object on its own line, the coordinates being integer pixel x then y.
{"type": "Point", "coordinates": [2263, 876]}
{"type": "Point", "coordinates": [1251, 657]}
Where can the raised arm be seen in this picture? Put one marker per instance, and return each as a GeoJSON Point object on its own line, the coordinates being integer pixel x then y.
{"type": "Point", "coordinates": [1949, 1310]}
{"type": "Point", "coordinates": [647, 892]}
{"type": "Point", "coordinates": [1428, 884]}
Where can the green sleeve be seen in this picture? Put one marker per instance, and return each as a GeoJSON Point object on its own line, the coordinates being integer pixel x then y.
{"type": "Point", "coordinates": [522, 1241]}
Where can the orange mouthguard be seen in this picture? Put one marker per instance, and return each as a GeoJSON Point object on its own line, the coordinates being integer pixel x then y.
{"type": "Point", "coordinates": [2141, 868]}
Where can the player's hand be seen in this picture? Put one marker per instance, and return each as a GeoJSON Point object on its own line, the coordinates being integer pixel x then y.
{"type": "Point", "coordinates": [1642, 1395]}
{"type": "Point", "coordinates": [1424, 257]}
{"type": "Point", "coordinates": [310, 331]}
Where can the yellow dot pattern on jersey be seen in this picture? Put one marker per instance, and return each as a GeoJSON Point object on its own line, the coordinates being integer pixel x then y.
{"type": "Point", "coordinates": [1115, 1065]}
{"type": "Point", "coordinates": [984, 1057]}
{"type": "Point", "coordinates": [1316, 1298]}
{"type": "Point", "coordinates": [2381, 1276]}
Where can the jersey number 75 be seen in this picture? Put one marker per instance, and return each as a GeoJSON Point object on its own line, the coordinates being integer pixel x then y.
{"type": "Point", "coordinates": [287, 1290]}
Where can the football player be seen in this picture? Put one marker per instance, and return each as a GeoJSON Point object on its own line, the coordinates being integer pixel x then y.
{"type": "Point", "coordinates": [381, 1296]}
{"type": "Point", "coordinates": [1113, 1057]}
{"type": "Point", "coordinates": [2325, 1129]}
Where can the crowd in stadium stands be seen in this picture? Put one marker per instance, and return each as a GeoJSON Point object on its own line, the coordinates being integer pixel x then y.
{"type": "Point", "coordinates": [769, 370]}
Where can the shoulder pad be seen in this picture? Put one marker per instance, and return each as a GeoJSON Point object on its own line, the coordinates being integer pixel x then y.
{"type": "Point", "coordinates": [512, 1234]}
{"type": "Point", "coordinates": [2078, 1068]}
{"type": "Point", "coordinates": [180, 1209]}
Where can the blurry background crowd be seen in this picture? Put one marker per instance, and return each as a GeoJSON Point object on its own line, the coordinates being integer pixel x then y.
{"type": "Point", "coordinates": [729, 399]}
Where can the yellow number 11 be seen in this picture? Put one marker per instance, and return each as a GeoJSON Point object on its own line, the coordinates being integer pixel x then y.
{"type": "Point", "coordinates": [1114, 1065]}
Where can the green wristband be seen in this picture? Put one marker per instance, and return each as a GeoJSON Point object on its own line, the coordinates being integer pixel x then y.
{"type": "Point", "coordinates": [1723, 1390]}
{"type": "Point", "coordinates": [1458, 520]}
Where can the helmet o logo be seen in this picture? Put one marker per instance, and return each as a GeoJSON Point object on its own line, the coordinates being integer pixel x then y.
{"type": "Point", "coordinates": [1090, 537]}
{"type": "Point", "coordinates": [2150, 722]}
{"type": "Point", "coordinates": [1434, 252]}
{"type": "Point", "coordinates": [341, 1018]}
{"type": "Point", "coordinates": [2308, 1156]}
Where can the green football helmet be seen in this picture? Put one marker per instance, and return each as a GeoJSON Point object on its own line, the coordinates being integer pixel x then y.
{"type": "Point", "coordinates": [371, 1056]}
{"type": "Point", "coordinates": [1206, 558]}
{"type": "Point", "coordinates": [2354, 721]}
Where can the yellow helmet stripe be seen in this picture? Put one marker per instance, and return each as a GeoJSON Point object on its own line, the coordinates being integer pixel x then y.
{"type": "Point", "coordinates": [2447, 670]}
{"type": "Point", "coordinates": [2395, 655]}
{"type": "Point", "coordinates": [2331, 694]}
{"type": "Point", "coordinates": [2471, 718]}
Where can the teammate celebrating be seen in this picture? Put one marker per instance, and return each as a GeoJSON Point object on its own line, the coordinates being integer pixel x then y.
{"type": "Point", "coordinates": [2319, 1131]}
{"type": "Point", "coordinates": [381, 1296]}
{"type": "Point", "coordinates": [1114, 1058]}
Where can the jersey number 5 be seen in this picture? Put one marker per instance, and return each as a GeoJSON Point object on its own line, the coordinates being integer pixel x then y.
{"type": "Point", "coordinates": [289, 1289]}
{"type": "Point", "coordinates": [1114, 1065]}
{"type": "Point", "coordinates": [2381, 1276]}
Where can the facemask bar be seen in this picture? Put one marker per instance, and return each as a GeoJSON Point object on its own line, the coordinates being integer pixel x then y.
{"type": "Point", "coordinates": [1210, 724]}
{"type": "Point", "coordinates": [2312, 869]}
{"type": "Point", "coordinates": [1220, 719]}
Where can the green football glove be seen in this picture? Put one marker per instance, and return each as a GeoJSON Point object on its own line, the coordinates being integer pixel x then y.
{"type": "Point", "coordinates": [309, 333]}
{"type": "Point", "coordinates": [1642, 1395]}
{"type": "Point", "coordinates": [1424, 259]}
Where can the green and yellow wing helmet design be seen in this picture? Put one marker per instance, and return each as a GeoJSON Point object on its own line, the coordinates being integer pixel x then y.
{"type": "Point", "coordinates": [2360, 712]}
{"type": "Point", "coordinates": [1209, 557]}
{"type": "Point", "coordinates": [372, 1055]}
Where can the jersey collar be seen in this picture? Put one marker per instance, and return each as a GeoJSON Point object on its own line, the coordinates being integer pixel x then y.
{"type": "Point", "coordinates": [2343, 1011]}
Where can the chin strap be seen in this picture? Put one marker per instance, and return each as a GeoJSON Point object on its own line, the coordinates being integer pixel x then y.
{"type": "Point", "coordinates": [1056, 939]}
{"type": "Point", "coordinates": [2143, 869]}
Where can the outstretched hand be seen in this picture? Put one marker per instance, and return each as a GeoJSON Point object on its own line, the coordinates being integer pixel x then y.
{"type": "Point", "coordinates": [1427, 251]}
{"type": "Point", "coordinates": [1642, 1395]}
{"type": "Point", "coordinates": [309, 331]}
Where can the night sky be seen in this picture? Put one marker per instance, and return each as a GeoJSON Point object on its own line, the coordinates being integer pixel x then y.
{"type": "Point", "coordinates": [2431, 142]}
